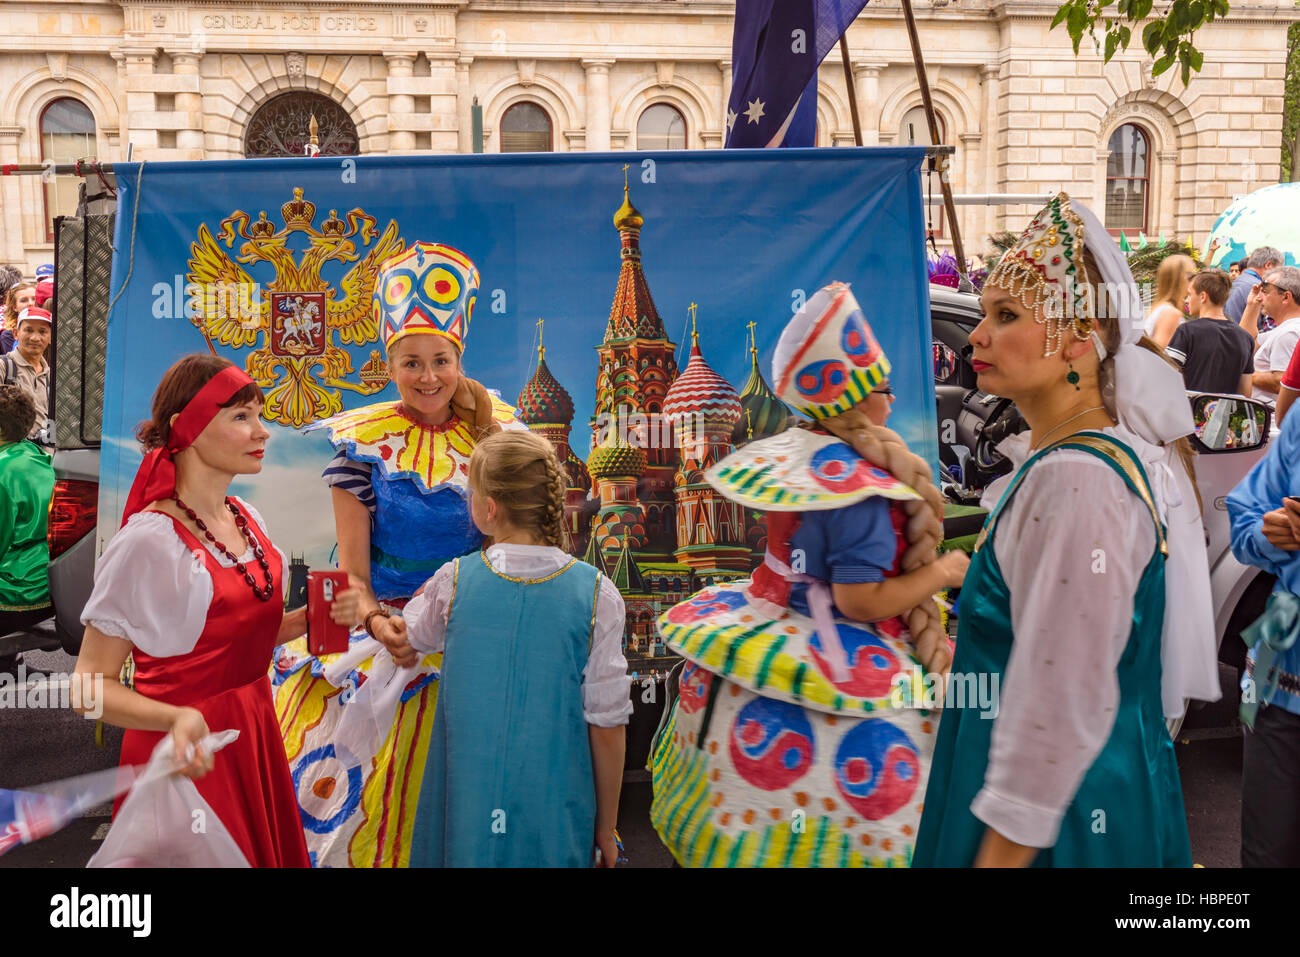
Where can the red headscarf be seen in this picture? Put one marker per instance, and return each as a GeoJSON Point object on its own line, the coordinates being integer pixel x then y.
{"type": "Point", "coordinates": [156, 477]}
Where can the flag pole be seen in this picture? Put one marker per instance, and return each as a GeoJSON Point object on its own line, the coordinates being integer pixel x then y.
{"type": "Point", "coordinates": [848, 81]}
{"type": "Point", "coordinates": [963, 284]}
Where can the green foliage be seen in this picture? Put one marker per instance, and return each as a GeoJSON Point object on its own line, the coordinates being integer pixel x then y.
{"type": "Point", "coordinates": [1167, 37]}
{"type": "Point", "coordinates": [1291, 109]}
{"type": "Point", "coordinates": [1144, 262]}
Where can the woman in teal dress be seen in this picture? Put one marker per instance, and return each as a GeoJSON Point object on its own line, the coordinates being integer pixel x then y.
{"type": "Point", "coordinates": [1084, 613]}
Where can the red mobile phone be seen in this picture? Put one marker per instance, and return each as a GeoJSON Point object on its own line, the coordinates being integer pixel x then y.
{"type": "Point", "coordinates": [324, 635]}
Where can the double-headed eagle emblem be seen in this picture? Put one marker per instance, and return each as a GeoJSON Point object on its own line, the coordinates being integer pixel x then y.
{"type": "Point", "coordinates": [298, 311]}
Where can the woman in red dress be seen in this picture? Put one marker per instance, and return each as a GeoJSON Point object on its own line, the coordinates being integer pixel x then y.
{"type": "Point", "coordinates": [192, 589]}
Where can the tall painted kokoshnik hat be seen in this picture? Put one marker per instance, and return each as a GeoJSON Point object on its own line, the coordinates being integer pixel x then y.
{"type": "Point", "coordinates": [427, 289]}
{"type": "Point", "coordinates": [827, 359]}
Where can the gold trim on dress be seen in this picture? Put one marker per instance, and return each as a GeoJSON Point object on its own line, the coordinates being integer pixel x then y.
{"type": "Point", "coordinates": [455, 577]}
{"type": "Point", "coordinates": [527, 581]}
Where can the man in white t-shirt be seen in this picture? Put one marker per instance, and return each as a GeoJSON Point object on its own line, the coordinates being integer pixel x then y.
{"type": "Point", "coordinates": [1279, 296]}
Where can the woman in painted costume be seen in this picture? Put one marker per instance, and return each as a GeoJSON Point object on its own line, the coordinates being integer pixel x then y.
{"type": "Point", "coordinates": [1088, 596]}
{"type": "Point", "coordinates": [796, 739]}
{"type": "Point", "coordinates": [356, 725]}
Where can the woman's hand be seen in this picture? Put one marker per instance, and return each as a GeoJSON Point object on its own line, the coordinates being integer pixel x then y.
{"type": "Point", "coordinates": [608, 846]}
{"type": "Point", "coordinates": [391, 633]}
{"type": "Point", "coordinates": [345, 609]}
{"type": "Point", "coordinates": [954, 565]}
{"type": "Point", "coordinates": [189, 728]}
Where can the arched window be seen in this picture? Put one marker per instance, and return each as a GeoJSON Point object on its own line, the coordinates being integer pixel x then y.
{"type": "Point", "coordinates": [282, 127]}
{"type": "Point", "coordinates": [526, 128]}
{"type": "Point", "coordinates": [67, 135]}
{"type": "Point", "coordinates": [1128, 172]}
{"type": "Point", "coordinates": [915, 131]}
{"type": "Point", "coordinates": [661, 127]}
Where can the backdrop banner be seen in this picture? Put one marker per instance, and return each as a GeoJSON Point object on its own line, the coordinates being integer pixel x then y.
{"type": "Point", "coordinates": [615, 264]}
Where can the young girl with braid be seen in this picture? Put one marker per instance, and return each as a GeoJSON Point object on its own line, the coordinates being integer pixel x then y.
{"type": "Point", "coordinates": [526, 757]}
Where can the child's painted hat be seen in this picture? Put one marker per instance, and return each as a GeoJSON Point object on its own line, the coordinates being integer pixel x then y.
{"type": "Point", "coordinates": [428, 289]}
{"type": "Point", "coordinates": [828, 360]}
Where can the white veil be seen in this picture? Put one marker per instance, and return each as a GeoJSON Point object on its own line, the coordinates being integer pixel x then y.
{"type": "Point", "coordinates": [1149, 399]}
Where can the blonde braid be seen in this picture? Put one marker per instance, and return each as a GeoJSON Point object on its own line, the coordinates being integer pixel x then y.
{"type": "Point", "coordinates": [552, 525]}
{"type": "Point", "coordinates": [923, 530]}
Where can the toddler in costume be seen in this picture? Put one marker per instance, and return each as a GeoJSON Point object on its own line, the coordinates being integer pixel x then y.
{"type": "Point", "coordinates": [527, 752]}
{"type": "Point", "coordinates": [796, 739]}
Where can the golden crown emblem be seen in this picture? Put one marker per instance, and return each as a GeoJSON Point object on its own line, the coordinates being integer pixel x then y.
{"type": "Point", "coordinates": [295, 308]}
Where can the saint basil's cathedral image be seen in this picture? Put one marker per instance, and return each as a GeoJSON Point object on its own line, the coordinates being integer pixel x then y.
{"type": "Point", "coordinates": [639, 509]}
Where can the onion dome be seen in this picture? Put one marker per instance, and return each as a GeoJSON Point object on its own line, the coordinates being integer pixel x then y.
{"type": "Point", "coordinates": [628, 216]}
{"type": "Point", "coordinates": [761, 412]}
{"type": "Point", "coordinates": [544, 401]}
{"type": "Point", "coordinates": [701, 391]}
{"type": "Point", "coordinates": [616, 460]}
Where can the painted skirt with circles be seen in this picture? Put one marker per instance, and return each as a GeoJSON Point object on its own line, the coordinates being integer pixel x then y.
{"type": "Point", "coordinates": [768, 762]}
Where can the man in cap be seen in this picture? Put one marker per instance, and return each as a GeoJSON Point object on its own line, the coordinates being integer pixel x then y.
{"type": "Point", "coordinates": [26, 367]}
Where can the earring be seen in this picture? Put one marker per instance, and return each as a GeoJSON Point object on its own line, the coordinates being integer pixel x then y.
{"type": "Point", "coordinates": [1072, 377]}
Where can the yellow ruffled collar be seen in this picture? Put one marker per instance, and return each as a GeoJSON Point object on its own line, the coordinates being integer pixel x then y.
{"type": "Point", "coordinates": [433, 456]}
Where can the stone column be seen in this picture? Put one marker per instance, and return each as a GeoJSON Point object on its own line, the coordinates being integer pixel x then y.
{"type": "Point", "coordinates": [725, 67]}
{"type": "Point", "coordinates": [444, 101]}
{"type": "Point", "coordinates": [401, 104]}
{"type": "Point", "coordinates": [464, 106]}
{"type": "Point", "coordinates": [972, 219]}
{"type": "Point", "coordinates": [1168, 191]}
{"type": "Point", "coordinates": [189, 101]}
{"type": "Point", "coordinates": [11, 225]}
{"type": "Point", "coordinates": [140, 102]}
{"type": "Point", "coordinates": [598, 105]}
{"type": "Point", "coordinates": [866, 78]}
{"type": "Point", "coordinates": [993, 143]}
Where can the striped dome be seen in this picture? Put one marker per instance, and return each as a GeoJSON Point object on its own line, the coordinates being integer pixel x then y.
{"type": "Point", "coordinates": [701, 391]}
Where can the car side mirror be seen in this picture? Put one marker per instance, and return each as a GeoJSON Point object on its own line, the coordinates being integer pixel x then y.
{"type": "Point", "coordinates": [1229, 423]}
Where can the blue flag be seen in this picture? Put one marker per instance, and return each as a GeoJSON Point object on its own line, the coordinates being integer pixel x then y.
{"type": "Point", "coordinates": [775, 51]}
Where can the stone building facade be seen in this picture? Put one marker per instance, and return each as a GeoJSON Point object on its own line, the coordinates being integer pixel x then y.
{"type": "Point", "coordinates": [82, 79]}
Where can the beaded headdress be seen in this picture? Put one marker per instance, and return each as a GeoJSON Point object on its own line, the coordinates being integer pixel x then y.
{"type": "Point", "coordinates": [1045, 267]}
{"type": "Point", "coordinates": [428, 289]}
{"type": "Point", "coordinates": [828, 360]}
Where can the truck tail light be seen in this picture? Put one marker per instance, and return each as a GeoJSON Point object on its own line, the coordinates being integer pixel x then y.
{"type": "Point", "coordinates": [73, 513]}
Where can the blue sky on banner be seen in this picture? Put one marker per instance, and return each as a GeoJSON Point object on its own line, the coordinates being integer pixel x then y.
{"type": "Point", "coordinates": [776, 48]}
{"type": "Point", "coordinates": [743, 234]}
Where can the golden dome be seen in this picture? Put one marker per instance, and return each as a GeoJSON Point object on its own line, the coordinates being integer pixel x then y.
{"type": "Point", "coordinates": [627, 216]}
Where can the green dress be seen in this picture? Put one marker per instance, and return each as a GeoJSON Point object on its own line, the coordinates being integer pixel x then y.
{"type": "Point", "coordinates": [26, 484]}
{"type": "Point", "coordinates": [1128, 810]}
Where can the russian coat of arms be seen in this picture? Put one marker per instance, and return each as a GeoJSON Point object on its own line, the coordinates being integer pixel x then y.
{"type": "Point", "coordinates": [298, 311]}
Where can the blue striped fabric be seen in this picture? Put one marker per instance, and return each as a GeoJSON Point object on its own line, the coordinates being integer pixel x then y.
{"type": "Point", "coordinates": [352, 477]}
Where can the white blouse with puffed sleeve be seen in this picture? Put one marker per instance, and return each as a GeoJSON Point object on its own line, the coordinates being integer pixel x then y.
{"type": "Point", "coordinates": [151, 590]}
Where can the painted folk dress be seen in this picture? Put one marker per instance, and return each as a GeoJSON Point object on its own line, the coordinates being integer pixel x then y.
{"type": "Point", "coordinates": [770, 758]}
{"type": "Point", "coordinates": [1134, 779]}
{"type": "Point", "coordinates": [355, 727]}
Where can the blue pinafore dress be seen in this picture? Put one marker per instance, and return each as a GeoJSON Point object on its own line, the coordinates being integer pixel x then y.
{"type": "Point", "coordinates": [509, 780]}
{"type": "Point", "coordinates": [1128, 811]}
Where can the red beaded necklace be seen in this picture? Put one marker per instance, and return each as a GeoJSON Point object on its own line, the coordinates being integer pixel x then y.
{"type": "Point", "coordinates": [263, 594]}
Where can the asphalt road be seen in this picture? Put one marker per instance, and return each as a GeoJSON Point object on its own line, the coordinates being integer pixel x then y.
{"type": "Point", "coordinates": [38, 746]}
